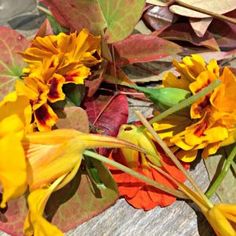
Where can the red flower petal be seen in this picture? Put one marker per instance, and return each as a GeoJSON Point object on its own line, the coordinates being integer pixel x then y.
{"type": "Point", "coordinates": [139, 194]}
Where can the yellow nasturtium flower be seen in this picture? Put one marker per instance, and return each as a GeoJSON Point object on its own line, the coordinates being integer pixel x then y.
{"type": "Point", "coordinates": [42, 162]}
{"type": "Point", "coordinates": [53, 159]}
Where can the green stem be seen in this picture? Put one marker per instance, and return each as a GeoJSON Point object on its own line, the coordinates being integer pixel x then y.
{"type": "Point", "coordinates": [171, 155]}
{"type": "Point", "coordinates": [135, 174]}
{"type": "Point", "coordinates": [187, 102]}
{"type": "Point", "coordinates": [222, 174]}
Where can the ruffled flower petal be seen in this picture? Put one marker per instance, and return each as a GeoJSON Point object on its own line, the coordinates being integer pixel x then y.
{"type": "Point", "coordinates": [35, 224]}
{"type": "Point", "coordinates": [55, 88]}
{"type": "Point", "coordinates": [45, 117]}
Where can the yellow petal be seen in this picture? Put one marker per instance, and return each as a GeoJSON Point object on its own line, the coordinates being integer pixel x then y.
{"type": "Point", "coordinates": [229, 210]}
{"type": "Point", "coordinates": [224, 96]}
{"type": "Point", "coordinates": [210, 149]}
{"type": "Point", "coordinates": [55, 153]}
{"type": "Point", "coordinates": [213, 67]}
{"type": "Point", "coordinates": [219, 222]}
{"type": "Point", "coordinates": [138, 137]}
{"type": "Point", "coordinates": [170, 80]}
{"type": "Point", "coordinates": [131, 156]}
{"type": "Point", "coordinates": [45, 117]}
{"type": "Point", "coordinates": [35, 224]}
{"type": "Point", "coordinates": [13, 175]}
{"type": "Point", "coordinates": [187, 156]}
{"type": "Point", "coordinates": [15, 112]}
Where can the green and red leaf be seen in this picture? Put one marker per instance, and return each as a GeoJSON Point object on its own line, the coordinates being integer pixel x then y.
{"type": "Point", "coordinates": [11, 63]}
{"type": "Point", "coordinates": [110, 18]}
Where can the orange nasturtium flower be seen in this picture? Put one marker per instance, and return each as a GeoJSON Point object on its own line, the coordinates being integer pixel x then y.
{"type": "Point", "coordinates": [42, 162]}
{"type": "Point", "coordinates": [136, 192]}
{"type": "Point", "coordinates": [211, 122]}
{"type": "Point", "coordinates": [53, 61]}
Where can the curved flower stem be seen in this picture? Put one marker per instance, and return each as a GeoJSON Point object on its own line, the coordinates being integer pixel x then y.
{"type": "Point", "coordinates": [170, 154]}
{"type": "Point", "coordinates": [135, 174]}
{"type": "Point", "coordinates": [222, 174]}
{"type": "Point", "coordinates": [187, 102]}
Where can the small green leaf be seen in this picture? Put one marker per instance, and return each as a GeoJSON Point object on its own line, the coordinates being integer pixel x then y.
{"type": "Point", "coordinates": [57, 28]}
{"type": "Point", "coordinates": [93, 172]}
{"type": "Point", "coordinates": [75, 93]}
{"type": "Point", "coordinates": [11, 63]}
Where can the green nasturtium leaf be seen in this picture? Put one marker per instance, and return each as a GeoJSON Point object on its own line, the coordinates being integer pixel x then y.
{"type": "Point", "coordinates": [11, 63]}
{"type": "Point", "coordinates": [115, 19]}
{"type": "Point", "coordinates": [227, 189]}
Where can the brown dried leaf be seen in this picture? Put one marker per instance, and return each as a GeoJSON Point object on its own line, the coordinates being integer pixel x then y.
{"type": "Point", "coordinates": [219, 7]}
{"type": "Point", "coordinates": [74, 118]}
{"type": "Point", "coordinates": [200, 26]}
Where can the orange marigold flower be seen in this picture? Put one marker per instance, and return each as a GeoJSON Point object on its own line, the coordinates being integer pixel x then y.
{"type": "Point", "coordinates": [210, 116]}
{"type": "Point", "coordinates": [136, 192]}
{"type": "Point", "coordinates": [54, 61]}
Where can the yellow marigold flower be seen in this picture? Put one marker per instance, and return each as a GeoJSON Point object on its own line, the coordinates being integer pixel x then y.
{"type": "Point", "coordinates": [54, 61]}
{"type": "Point", "coordinates": [63, 51]}
{"type": "Point", "coordinates": [15, 117]}
{"type": "Point", "coordinates": [189, 69]}
{"type": "Point", "coordinates": [210, 116]}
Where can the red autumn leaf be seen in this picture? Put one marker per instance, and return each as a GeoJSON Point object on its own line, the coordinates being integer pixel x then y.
{"type": "Point", "coordinates": [144, 48]}
{"type": "Point", "coordinates": [94, 82]}
{"type": "Point", "coordinates": [184, 32]}
{"type": "Point", "coordinates": [106, 114]}
{"type": "Point", "coordinates": [11, 42]}
{"type": "Point", "coordinates": [115, 114]}
{"type": "Point", "coordinates": [139, 194]}
{"type": "Point", "coordinates": [12, 220]}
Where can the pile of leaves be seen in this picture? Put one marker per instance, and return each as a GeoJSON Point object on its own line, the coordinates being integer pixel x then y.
{"type": "Point", "coordinates": [137, 46]}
